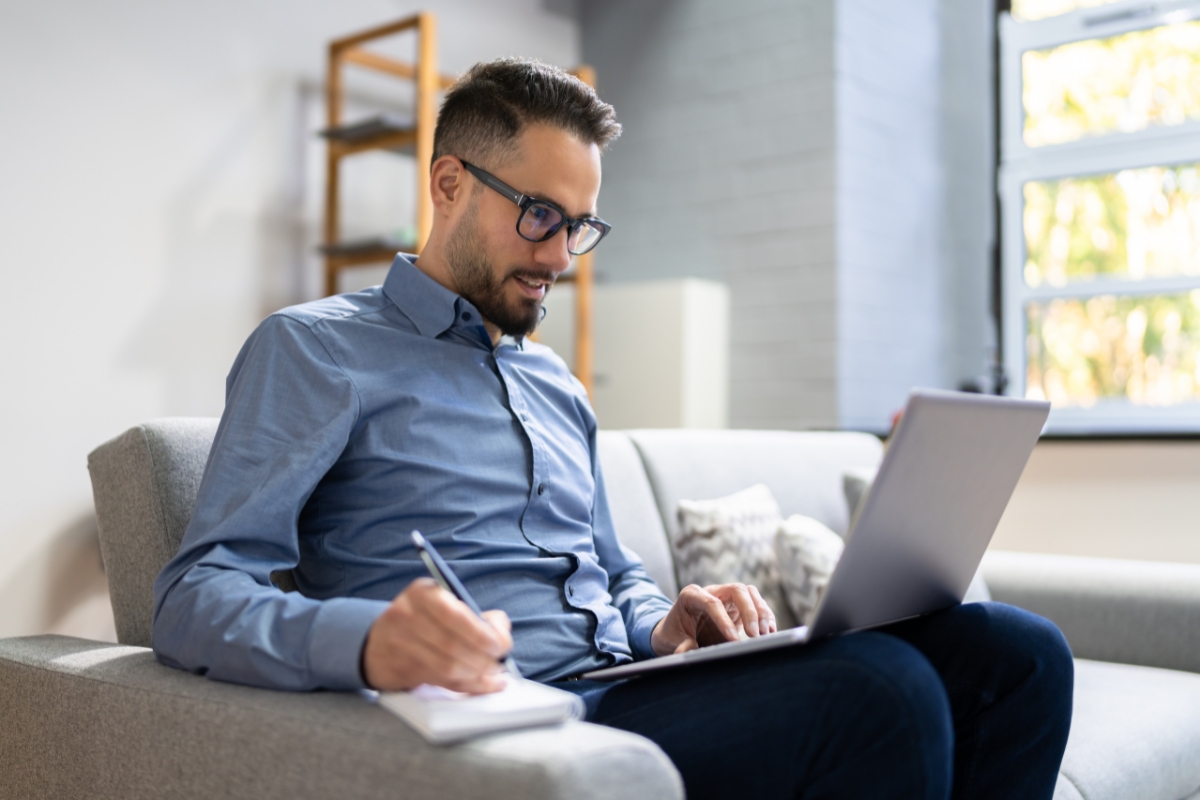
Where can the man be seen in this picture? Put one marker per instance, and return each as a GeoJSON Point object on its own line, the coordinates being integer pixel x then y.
{"type": "Point", "coordinates": [420, 404]}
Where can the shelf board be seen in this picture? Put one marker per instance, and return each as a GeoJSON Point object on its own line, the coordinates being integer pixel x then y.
{"type": "Point", "coordinates": [364, 251]}
{"type": "Point", "coordinates": [381, 132]}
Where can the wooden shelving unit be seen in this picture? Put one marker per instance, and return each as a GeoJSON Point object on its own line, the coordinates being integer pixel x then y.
{"type": "Point", "coordinates": [383, 132]}
{"type": "Point", "coordinates": [413, 139]}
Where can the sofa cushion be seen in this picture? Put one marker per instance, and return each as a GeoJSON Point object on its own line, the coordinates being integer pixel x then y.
{"type": "Point", "coordinates": [1135, 734]}
{"type": "Point", "coordinates": [803, 470]}
{"type": "Point", "coordinates": [807, 553]}
{"type": "Point", "coordinates": [631, 501]}
{"type": "Point", "coordinates": [1131, 612]}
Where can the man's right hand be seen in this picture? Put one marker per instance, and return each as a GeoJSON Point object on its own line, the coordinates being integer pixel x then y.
{"type": "Point", "coordinates": [427, 635]}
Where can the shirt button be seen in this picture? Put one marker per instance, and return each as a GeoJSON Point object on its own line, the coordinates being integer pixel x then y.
{"type": "Point", "coordinates": [466, 316]}
{"type": "Point", "coordinates": [541, 488]}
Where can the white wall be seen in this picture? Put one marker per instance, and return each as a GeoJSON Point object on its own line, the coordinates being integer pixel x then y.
{"type": "Point", "coordinates": [158, 197]}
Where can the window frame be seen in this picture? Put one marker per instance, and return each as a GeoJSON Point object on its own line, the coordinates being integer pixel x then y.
{"type": "Point", "coordinates": [1091, 155]}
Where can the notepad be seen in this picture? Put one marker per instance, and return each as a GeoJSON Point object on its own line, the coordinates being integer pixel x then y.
{"type": "Point", "coordinates": [443, 716]}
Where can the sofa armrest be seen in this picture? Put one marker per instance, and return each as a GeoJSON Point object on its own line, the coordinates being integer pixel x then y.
{"type": "Point", "coordinates": [86, 719]}
{"type": "Point", "coordinates": [1132, 612]}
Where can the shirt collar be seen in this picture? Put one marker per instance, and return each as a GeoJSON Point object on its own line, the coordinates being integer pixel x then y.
{"type": "Point", "coordinates": [431, 306]}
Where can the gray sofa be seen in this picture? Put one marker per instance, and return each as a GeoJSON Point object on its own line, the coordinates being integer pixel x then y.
{"type": "Point", "coordinates": [87, 719]}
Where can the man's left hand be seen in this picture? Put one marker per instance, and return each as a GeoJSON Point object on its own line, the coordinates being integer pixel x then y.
{"type": "Point", "coordinates": [711, 615]}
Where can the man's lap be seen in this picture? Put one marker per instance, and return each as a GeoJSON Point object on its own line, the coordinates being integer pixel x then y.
{"type": "Point", "coordinates": [804, 716]}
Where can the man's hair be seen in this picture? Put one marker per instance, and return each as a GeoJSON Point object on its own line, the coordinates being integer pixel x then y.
{"type": "Point", "coordinates": [492, 104]}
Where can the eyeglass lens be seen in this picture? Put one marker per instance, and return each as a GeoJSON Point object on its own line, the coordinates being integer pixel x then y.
{"type": "Point", "coordinates": [539, 221]}
{"type": "Point", "coordinates": [583, 238]}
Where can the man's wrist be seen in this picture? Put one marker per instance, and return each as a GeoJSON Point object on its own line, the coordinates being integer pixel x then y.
{"type": "Point", "coordinates": [655, 637]}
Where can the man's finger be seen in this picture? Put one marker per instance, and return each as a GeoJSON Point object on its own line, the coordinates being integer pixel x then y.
{"type": "Point", "coordinates": [499, 620]}
{"type": "Point", "coordinates": [439, 632]}
{"type": "Point", "coordinates": [452, 614]}
{"type": "Point", "coordinates": [766, 617]}
{"type": "Point", "coordinates": [686, 645]}
{"type": "Point", "coordinates": [700, 601]}
{"type": "Point", "coordinates": [444, 651]}
{"type": "Point", "coordinates": [739, 595]}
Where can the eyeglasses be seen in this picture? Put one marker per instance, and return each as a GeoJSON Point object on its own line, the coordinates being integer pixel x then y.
{"type": "Point", "coordinates": [541, 219]}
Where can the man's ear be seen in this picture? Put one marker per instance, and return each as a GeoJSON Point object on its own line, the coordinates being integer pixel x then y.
{"type": "Point", "coordinates": [447, 185]}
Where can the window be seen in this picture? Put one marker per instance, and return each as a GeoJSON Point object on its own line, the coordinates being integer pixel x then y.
{"type": "Point", "coordinates": [1100, 192]}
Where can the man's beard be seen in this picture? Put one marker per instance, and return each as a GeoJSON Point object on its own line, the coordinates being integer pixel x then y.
{"type": "Point", "coordinates": [472, 271]}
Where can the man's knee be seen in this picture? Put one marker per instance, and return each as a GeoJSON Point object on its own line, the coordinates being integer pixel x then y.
{"type": "Point", "coordinates": [894, 674]}
{"type": "Point", "coordinates": [893, 701]}
{"type": "Point", "coordinates": [1041, 648]}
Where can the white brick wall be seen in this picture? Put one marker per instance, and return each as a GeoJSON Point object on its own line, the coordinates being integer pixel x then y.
{"type": "Point", "coordinates": [795, 151]}
{"type": "Point", "coordinates": [726, 171]}
{"type": "Point", "coordinates": [889, 206]}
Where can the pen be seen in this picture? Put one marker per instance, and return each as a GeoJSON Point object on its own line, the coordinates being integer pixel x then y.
{"type": "Point", "coordinates": [446, 578]}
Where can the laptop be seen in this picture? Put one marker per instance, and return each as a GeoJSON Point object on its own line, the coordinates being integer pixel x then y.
{"type": "Point", "coordinates": [918, 536]}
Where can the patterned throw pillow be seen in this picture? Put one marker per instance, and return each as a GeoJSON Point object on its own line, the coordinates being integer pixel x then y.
{"type": "Point", "coordinates": [806, 552]}
{"type": "Point", "coordinates": [732, 540]}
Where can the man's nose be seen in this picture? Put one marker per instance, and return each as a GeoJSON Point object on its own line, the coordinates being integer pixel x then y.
{"type": "Point", "coordinates": [552, 253]}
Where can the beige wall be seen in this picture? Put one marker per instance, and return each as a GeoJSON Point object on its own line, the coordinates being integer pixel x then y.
{"type": "Point", "coordinates": [1133, 499]}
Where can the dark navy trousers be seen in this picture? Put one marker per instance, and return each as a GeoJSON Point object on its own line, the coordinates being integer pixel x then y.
{"type": "Point", "coordinates": [971, 702]}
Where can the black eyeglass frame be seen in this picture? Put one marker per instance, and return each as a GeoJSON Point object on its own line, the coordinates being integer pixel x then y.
{"type": "Point", "coordinates": [524, 202]}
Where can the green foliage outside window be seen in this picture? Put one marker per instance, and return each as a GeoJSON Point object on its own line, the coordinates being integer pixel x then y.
{"type": "Point", "coordinates": [1144, 349]}
{"type": "Point", "coordinates": [1136, 223]}
{"type": "Point", "coordinates": [1122, 83]}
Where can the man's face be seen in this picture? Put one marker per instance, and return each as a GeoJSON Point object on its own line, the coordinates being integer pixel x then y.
{"type": "Point", "coordinates": [504, 276]}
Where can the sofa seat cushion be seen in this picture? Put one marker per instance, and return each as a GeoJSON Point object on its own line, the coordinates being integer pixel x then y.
{"type": "Point", "coordinates": [1135, 734]}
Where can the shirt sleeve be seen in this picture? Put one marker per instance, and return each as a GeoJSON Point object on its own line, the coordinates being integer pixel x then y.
{"type": "Point", "coordinates": [288, 415]}
{"type": "Point", "coordinates": [634, 593]}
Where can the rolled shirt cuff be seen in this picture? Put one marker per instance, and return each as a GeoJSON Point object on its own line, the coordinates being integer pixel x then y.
{"type": "Point", "coordinates": [639, 636]}
{"type": "Point", "coordinates": [336, 641]}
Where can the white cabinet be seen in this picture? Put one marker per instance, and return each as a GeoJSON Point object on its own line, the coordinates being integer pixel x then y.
{"type": "Point", "coordinates": [661, 351]}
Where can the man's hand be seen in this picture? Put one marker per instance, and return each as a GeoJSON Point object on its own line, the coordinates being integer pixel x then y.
{"type": "Point", "coordinates": [427, 635]}
{"type": "Point", "coordinates": [712, 615]}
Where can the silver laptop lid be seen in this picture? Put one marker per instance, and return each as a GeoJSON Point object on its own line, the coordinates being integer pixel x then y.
{"type": "Point", "coordinates": [950, 469]}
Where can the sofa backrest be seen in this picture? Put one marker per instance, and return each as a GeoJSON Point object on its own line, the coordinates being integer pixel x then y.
{"type": "Point", "coordinates": [803, 470]}
{"type": "Point", "coordinates": [634, 512]}
{"type": "Point", "coordinates": [144, 483]}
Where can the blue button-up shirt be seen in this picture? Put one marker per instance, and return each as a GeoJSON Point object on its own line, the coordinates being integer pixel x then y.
{"type": "Point", "coordinates": [351, 421]}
